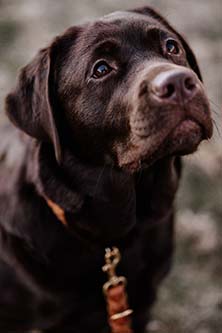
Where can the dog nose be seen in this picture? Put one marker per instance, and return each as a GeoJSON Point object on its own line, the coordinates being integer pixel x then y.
{"type": "Point", "coordinates": [175, 85]}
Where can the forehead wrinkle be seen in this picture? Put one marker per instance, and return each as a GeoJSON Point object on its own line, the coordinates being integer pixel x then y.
{"type": "Point", "coordinates": [97, 33]}
{"type": "Point", "coordinates": [106, 43]}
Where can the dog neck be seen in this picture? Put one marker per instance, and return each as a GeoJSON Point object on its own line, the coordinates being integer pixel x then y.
{"type": "Point", "coordinates": [102, 200]}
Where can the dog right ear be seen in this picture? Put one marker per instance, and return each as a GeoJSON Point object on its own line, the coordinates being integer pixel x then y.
{"type": "Point", "coordinates": [31, 106]}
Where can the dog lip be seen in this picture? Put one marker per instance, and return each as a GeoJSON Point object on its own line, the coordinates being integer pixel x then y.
{"type": "Point", "coordinates": [188, 124]}
{"type": "Point", "coordinates": [186, 129]}
{"type": "Point", "coordinates": [205, 127]}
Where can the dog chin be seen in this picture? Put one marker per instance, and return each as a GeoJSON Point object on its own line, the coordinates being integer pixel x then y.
{"type": "Point", "coordinates": [184, 139]}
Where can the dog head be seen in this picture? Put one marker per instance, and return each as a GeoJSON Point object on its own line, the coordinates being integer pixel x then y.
{"type": "Point", "coordinates": [124, 90]}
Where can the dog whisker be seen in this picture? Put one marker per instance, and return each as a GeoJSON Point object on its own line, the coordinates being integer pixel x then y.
{"type": "Point", "coordinates": [216, 105]}
{"type": "Point", "coordinates": [219, 131]}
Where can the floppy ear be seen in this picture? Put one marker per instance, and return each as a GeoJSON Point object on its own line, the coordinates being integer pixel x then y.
{"type": "Point", "coordinates": [190, 55]}
{"type": "Point", "coordinates": [30, 106]}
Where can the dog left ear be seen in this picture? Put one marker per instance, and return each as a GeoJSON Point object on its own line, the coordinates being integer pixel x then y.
{"type": "Point", "coordinates": [30, 106]}
{"type": "Point", "coordinates": [191, 58]}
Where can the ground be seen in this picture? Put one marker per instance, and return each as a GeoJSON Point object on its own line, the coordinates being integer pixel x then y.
{"type": "Point", "coordinates": [190, 300]}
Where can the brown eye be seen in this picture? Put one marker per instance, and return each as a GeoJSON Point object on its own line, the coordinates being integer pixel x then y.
{"type": "Point", "coordinates": [172, 47]}
{"type": "Point", "coordinates": [101, 69]}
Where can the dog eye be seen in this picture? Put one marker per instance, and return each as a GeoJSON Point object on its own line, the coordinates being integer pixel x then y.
{"type": "Point", "coordinates": [101, 69]}
{"type": "Point", "coordinates": [172, 47]}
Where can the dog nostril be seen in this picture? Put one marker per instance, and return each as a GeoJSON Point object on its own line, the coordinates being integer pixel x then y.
{"type": "Point", "coordinates": [189, 84]}
{"type": "Point", "coordinates": [143, 89]}
{"type": "Point", "coordinates": [169, 90]}
{"type": "Point", "coordinates": [165, 90]}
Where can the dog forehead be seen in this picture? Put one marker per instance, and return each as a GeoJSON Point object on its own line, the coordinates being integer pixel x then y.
{"type": "Point", "coordinates": [118, 25]}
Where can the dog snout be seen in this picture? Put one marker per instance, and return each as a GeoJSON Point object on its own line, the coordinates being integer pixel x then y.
{"type": "Point", "coordinates": [175, 86]}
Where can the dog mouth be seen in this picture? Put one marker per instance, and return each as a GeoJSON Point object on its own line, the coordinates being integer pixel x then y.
{"type": "Point", "coordinates": [184, 138]}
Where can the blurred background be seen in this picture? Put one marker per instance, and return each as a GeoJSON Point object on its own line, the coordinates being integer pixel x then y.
{"type": "Point", "coordinates": [190, 300]}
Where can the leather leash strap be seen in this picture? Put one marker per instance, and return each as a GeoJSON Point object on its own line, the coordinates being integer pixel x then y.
{"type": "Point", "coordinates": [116, 296]}
{"type": "Point", "coordinates": [119, 314]}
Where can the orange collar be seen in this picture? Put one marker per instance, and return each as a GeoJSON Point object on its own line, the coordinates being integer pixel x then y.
{"type": "Point", "coordinates": [57, 210]}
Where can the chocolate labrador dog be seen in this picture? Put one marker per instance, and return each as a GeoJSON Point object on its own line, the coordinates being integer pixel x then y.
{"type": "Point", "coordinates": [103, 115]}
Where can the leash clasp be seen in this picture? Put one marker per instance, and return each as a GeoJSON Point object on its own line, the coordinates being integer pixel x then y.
{"type": "Point", "coordinates": [112, 258]}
